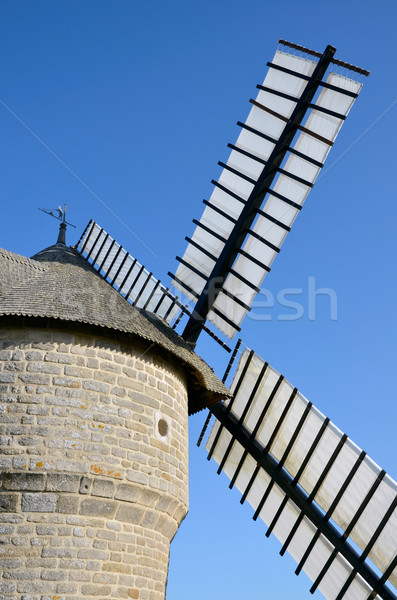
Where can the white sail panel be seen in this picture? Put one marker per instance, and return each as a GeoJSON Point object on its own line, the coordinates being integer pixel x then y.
{"type": "Point", "coordinates": [126, 274]}
{"type": "Point", "coordinates": [351, 490]}
{"type": "Point", "coordinates": [285, 83]}
{"type": "Point", "coordinates": [236, 184]}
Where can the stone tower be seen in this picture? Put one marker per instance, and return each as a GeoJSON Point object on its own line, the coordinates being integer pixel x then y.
{"type": "Point", "coordinates": [94, 401]}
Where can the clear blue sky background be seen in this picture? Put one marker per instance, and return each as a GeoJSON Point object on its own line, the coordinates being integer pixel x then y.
{"type": "Point", "coordinates": [136, 102]}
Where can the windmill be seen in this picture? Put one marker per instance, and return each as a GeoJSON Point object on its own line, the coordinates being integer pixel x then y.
{"type": "Point", "coordinates": [331, 507]}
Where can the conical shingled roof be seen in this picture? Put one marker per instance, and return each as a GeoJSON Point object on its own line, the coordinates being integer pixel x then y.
{"type": "Point", "coordinates": [57, 283]}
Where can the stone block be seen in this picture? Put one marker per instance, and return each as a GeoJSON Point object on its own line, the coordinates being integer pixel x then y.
{"type": "Point", "coordinates": [91, 554]}
{"type": "Point", "coordinates": [130, 514]}
{"type": "Point", "coordinates": [170, 529]}
{"type": "Point", "coordinates": [24, 481]}
{"type": "Point", "coordinates": [29, 440]}
{"type": "Point", "coordinates": [7, 588]}
{"type": "Point", "coordinates": [116, 567]}
{"type": "Point", "coordinates": [180, 513]}
{"type": "Point", "coordinates": [148, 497]}
{"type": "Point", "coordinates": [54, 575]}
{"type": "Point", "coordinates": [58, 357]}
{"type": "Point", "coordinates": [62, 482]}
{"type": "Point", "coordinates": [105, 578]}
{"type": "Point", "coordinates": [79, 532]}
{"type": "Point", "coordinates": [150, 519]}
{"type": "Point", "coordinates": [40, 367]}
{"type": "Point", "coordinates": [41, 502]}
{"type": "Point", "coordinates": [137, 477]}
{"type": "Point", "coordinates": [58, 552]}
{"type": "Point", "coordinates": [5, 463]}
{"type": "Point", "coordinates": [74, 466]}
{"type": "Point", "coordinates": [163, 503]}
{"type": "Point", "coordinates": [8, 502]}
{"type": "Point", "coordinates": [35, 378]}
{"type": "Point", "coordinates": [67, 504]}
{"type": "Point", "coordinates": [96, 590]}
{"type": "Point", "coordinates": [7, 377]}
{"type": "Point", "coordinates": [81, 576]}
{"type": "Point", "coordinates": [73, 371]}
{"type": "Point", "coordinates": [96, 386]}
{"type": "Point", "coordinates": [67, 382]}
{"type": "Point", "coordinates": [92, 363]}
{"type": "Point", "coordinates": [32, 587]}
{"type": "Point", "coordinates": [33, 355]}
{"type": "Point", "coordinates": [11, 563]}
{"type": "Point", "coordinates": [45, 529]}
{"type": "Point", "coordinates": [85, 485]}
{"type": "Point", "coordinates": [97, 508]}
{"type": "Point", "coordinates": [127, 492]}
{"type": "Point", "coordinates": [66, 588]}
{"type": "Point", "coordinates": [103, 488]}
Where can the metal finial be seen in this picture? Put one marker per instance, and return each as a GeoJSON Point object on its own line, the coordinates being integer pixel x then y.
{"type": "Point", "coordinates": [60, 215]}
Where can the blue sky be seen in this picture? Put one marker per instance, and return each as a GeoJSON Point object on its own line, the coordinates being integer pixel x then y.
{"type": "Point", "coordinates": [122, 110]}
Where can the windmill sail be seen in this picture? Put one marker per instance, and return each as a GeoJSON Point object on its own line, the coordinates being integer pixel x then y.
{"type": "Point", "coordinates": [126, 274]}
{"type": "Point", "coordinates": [262, 187]}
{"type": "Point", "coordinates": [311, 485]}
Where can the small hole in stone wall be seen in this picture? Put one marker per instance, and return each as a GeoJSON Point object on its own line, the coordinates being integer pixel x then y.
{"type": "Point", "coordinates": [162, 426]}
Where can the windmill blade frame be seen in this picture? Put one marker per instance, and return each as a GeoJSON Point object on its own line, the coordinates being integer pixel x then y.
{"type": "Point", "coordinates": [237, 238]}
{"type": "Point", "coordinates": [320, 494]}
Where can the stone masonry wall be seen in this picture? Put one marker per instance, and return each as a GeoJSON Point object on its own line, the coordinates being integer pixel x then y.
{"type": "Point", "coordinates": [94, 463]}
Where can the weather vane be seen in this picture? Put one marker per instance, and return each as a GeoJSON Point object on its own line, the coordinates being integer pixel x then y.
{"type": "Point", "coordinates": [60, 215]}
